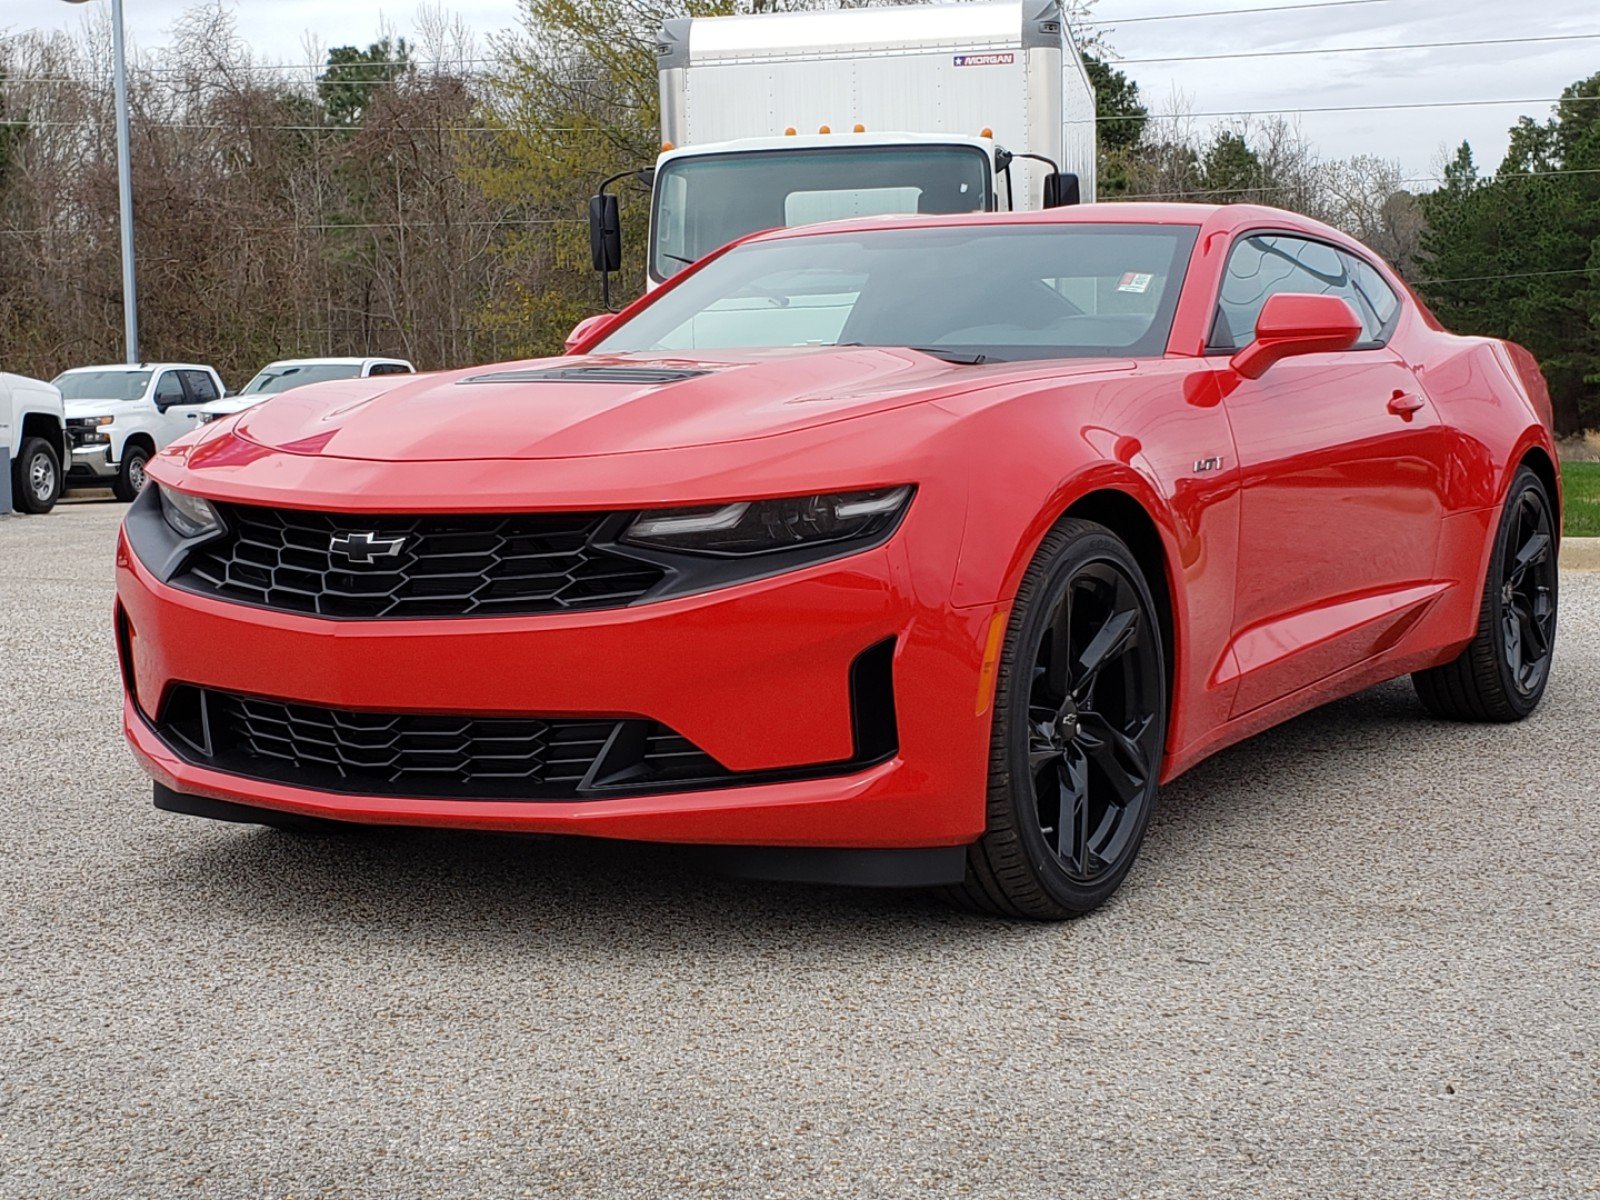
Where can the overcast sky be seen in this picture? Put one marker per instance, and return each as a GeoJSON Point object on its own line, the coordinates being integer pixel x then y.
{"type": "Point", "coordinates": [1498, 71]}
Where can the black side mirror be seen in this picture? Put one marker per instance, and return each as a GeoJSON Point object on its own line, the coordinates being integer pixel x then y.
{"type": "Point", "coordinates": [1061, 188]}
{"type": "Point", "coordinates": [605, 233]}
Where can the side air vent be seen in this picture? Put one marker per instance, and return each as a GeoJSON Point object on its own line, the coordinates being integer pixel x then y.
{"type": "Point", "coordinates": [637, 376]}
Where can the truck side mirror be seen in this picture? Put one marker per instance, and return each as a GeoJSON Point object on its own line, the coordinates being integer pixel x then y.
{"type": "Point", "coordinates": [1061, 188]}
{"type": "Point", "coordinates": [605, 233]}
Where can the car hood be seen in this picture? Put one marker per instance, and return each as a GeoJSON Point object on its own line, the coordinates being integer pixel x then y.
{"type": "Point", "coordinates": [607, 404]}
{"type": "Point", "coordinates": [99, 408]}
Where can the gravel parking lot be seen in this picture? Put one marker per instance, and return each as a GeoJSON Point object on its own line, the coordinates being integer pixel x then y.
{"type": "Point", "coordinates": [1359, 956]}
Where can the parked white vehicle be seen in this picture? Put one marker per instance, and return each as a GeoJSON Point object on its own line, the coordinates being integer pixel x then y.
{"type": "Point", "coordinates": [291, 373]}
{"type": "Point", "coordinates": [119, 416]}
{"type": "Point", "coordinates": [33, 432]}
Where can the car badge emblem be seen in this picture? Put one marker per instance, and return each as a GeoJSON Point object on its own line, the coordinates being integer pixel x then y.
{"type": "Point", "coordinates": [365, 547]}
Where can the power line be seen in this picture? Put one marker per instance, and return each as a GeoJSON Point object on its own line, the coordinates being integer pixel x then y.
{"type": "Point", "coordinates": [1333, 108]}
{"type": "Point", "coordinates": [1516, 41]}
{"type": "Point", "coordinates": [1230, 12]}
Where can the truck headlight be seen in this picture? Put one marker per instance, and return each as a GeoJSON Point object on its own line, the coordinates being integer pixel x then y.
{"type": "Point", "coordinates": [747, 527]}
{"type": "Point", "coordinates": [189, 516]}
{"type": "Point", "coordinates": [89, 431]}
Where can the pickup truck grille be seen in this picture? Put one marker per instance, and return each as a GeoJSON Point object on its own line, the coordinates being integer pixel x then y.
{"type": "Point", "coordinates": [420, 755]}
{"type": "Point", "coordinates": [398, 567]}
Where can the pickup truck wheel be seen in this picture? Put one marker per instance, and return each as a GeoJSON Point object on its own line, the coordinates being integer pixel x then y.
{"type": "Point", "coordinates": [36, 477]}
{"type": "Point", "coordinates": [130, 478]}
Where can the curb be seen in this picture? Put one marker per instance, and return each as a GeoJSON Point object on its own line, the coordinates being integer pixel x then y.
{"type": "Point", "coordinates": [1580, 554]}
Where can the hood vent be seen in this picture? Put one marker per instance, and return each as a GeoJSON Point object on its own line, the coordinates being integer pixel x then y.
{"type": "Point", "coordinates": [637, 376]}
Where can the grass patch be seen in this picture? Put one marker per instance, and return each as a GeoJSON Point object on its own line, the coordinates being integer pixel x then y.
{"type": "Point", "coordinates": [1580, 489]}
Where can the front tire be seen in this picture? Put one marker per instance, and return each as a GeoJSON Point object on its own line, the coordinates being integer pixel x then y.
{"type": "Point", "coordinates": [130, 478]}
{"type": "Point", "coordinates": [1501, 675]}
{"type": "Point", "coordinates": [1079, 728]}
{"type": "Point", "coordinates": [36, 477]}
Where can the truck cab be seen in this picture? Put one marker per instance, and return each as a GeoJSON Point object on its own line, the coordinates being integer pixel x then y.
{"type": "Point", "coordinates": [781, 119]}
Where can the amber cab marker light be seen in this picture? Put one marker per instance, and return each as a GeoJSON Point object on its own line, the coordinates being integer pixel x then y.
{"type": "Point", "coordinates": [986, 132]}
{"type": "Point", "coordinates": [789, 132]}
{"type": "Point", "coordinates": [665, 146]}
{"type": "Point", "coordinates": [860, 128]}
{"type": "Point", "coordinates": [823, 129]}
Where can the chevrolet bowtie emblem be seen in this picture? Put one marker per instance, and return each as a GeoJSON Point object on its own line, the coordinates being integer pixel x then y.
{"type": "Point", "coordinates": [365, 547]}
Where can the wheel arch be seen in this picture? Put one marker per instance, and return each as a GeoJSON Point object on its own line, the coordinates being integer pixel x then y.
{"type": "Point", "coordinates": [1129, 519]}
{"type": "Point", "coordinates": [139, 437]}
{"type": "Point", "coordinates": [1537, 459]}
{"type": "Point", "coordinates": [43, 425]}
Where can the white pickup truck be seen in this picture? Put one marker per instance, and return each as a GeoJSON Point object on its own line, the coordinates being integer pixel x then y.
{"type": "Point", "coordinates": [119, 416]}
{"type": "Point", "coordinates": [33, 434]}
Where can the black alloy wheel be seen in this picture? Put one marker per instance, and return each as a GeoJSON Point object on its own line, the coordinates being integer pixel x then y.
{"type": "Point", "coordinates": [1528, 592]}
{"type": "Point", "coordinates": [1501, 675]}
{"type": "Point", "coordinates": [1080, 722]}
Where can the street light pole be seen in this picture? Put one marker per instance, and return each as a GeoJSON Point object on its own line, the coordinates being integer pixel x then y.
{"type": "Point", "coordinates": [130, 296]}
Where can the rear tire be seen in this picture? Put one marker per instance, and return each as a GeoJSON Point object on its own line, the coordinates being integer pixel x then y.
{"type": "Point", "coordinates": [130, 478]}
{"type": "Point", "coordinates": [1079, 729]}
{"type": "Point", "coordinates": [36, 477]}
{"type": "Point", "coordinates": [1501, 675]}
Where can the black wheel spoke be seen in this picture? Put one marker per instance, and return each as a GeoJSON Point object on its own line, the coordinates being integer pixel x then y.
{"type": "Point", "coordinates": [1072, 838]}
{"type": "Point", "coordinates": [1120, 757]}
{"type": "Point", "coordinates": [1534, 551]}
{"type": "Point", "coordinates": [1112, 639]}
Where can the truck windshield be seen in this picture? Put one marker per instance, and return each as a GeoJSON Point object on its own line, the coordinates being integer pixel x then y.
{"type": "Point", "coordinates": [103, 385]}
{"type": "Point", "coordinates": [280, 378]}
{"type": "Point", "coordinates": [703, 202]}
{"type": "Point", "coordinates": [974, 292]}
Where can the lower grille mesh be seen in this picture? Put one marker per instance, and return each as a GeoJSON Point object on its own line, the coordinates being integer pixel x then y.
{"type": "Point", "coordinates": [397, 754]}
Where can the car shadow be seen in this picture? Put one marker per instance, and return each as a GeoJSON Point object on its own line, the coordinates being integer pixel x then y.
{"type": "Point", "coordinates": [526, 890]}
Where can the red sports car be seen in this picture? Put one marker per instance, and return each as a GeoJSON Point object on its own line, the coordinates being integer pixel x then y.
{"type": "Point", "coordinates": [905, 551]}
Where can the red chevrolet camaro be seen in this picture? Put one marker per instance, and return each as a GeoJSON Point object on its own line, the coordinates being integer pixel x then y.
{"type": "Point", "coordinates": [906, 551]}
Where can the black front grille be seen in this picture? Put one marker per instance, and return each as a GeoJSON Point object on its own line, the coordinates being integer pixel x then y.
{"type": "Point", "coordinates": [338, 565]}
{"type": "Point", "coordinates": [410, 755]}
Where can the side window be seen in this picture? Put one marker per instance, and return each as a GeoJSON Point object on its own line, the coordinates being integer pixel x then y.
{"type": "Point", "coordinates": [169, 389]}
{"type": "Point", "coordinates": [1375, 292]}
{"type": "Point", "coordinates": [1267, 265]}
{"type": "Point", "coordinates": [202, 389]}
{"type": "Point", "coordinates": [388, 369]}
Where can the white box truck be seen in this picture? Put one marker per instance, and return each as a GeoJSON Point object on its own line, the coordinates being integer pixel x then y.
{"type": "Point", "coordinates": [789, 118]}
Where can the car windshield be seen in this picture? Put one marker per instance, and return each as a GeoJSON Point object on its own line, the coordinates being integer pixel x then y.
{"type": "Point", "coordinates": [103, 385]}
{"type": "Point", "coordinates": [997, 291]}
{"type": "Point", "coordinates": [280, 377]}
{"type": "Point", "coordinates": [706, 201]}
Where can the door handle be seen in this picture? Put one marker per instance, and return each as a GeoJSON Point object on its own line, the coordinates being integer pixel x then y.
{"type": "Point", "coordinates": [1404, 404]}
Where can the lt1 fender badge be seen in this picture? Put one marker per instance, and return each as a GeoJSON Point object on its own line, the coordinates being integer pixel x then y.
{"type": "Point", "coordinates": [1202, 465]}
{"type": "Point", "coordinates": [365, 547]}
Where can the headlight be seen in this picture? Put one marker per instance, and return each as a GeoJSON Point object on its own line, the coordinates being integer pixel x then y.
{"type": "Point", "coordinates": [189, 516]}
{"type": "Point", "coordinates": [748, 527]}
{"type": "Point", "coordinates": [86, 431]}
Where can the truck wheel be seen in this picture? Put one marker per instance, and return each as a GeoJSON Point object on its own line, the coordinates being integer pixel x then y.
{"type": "Point", "coordinates": [36, 477]}
{"type": "Point", "coordinates": [130, 478]}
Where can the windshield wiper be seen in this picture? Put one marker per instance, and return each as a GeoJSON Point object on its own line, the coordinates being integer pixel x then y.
{"type": "Point", "coordinates": [966, 358]}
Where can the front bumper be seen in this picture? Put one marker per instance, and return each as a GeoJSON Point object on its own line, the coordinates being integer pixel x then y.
{"type": "Point", "coordinates": [91, 463]}
{"type": "Point", "coordinates": [756, 675]}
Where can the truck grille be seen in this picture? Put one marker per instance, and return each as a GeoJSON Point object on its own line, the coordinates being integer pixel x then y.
{"type": "Point", "coordinates": [358, 566]}
{"type": "Point", "coordinates": [441, 757]}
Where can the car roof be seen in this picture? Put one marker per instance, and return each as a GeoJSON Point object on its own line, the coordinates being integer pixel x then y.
{"type": "Point", "coordinates": [144, 366]}
{"type": "Point", "coordinates": [1212, 217]}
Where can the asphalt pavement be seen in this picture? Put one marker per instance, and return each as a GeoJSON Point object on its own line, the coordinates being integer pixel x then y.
{"type": "Point", "coordinates": [1358, 957]}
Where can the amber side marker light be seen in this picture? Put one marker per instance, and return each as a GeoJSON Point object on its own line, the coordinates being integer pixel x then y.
{"type": "Point", "coordinates": [860, 128]}
{"type": "Point", "coordinates": [823, 129]}
{"type": "Point", "coordinates": [991, 661]}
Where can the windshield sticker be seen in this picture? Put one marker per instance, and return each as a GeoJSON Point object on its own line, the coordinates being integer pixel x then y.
{"type": "Point", "coordinates": [1136, 283]}
{"type": "Point", "coordinates": [986, 60]}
